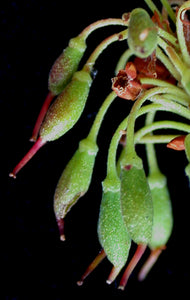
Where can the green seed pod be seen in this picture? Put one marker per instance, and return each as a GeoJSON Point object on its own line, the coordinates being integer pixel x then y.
{"type": "Point", "coordinates": [112, 232]}
{"type": "Point", "coordinates": [142, 33]}
{"type": "Point", "coordinates": [66, 65]}
{"type": "Point", "coordinates": [136, 202]}
{"type": "Point", "coordinates": [162, 216]}
{"type": "Point", "coordinates": [75, 179]}
{"type": "Point", "coordinates": [67, 108]}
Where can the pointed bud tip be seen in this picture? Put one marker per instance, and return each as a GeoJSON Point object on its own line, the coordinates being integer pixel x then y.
{"type": "Point", "coordinates": [62, 237]}
{"type": "Point", "coordinates": [109, 281]}
{"type": "Point", "coordinates": [121, 287]}
{"type": "Point", "coordinates": [12, 175]}
{"type": "Point", "coordinates": [80, 282]}
{"type": "Point", "coordinates": [33, 139]}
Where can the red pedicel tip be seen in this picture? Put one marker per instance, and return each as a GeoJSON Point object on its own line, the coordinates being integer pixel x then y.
{"type": "Point", "coordinates": [113, 274]}
{"type": "Point", "coordinates": [134, 261]}
{"type": "Point", "coordinates": [38, 144]}
{"type": "Point", "coordinates": [41, 116]}
{"type": "Point", "coordinates": [60, 224]}
{"type": "Point", "coordinates": [92, 266]}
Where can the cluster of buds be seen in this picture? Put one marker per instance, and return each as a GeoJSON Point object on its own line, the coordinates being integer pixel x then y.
{"type": "Point", "coordinates": [153, 73]}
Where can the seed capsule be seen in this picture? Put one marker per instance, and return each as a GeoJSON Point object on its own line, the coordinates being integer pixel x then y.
{"type": "Point", "coordinates": [74, 181]}
{"type": "Point", "coordinates": [67, 108]}
{"type": "Point", "coordinates": [66, 65]}
{"type": "Point", "coordinates": [62, 115]}
{"type": "Point", "coordinates": [136, 202]}
{"type": "Point", "coordinates": [112, 232]}
{"type": "Point", "coordinates": [162, 220]}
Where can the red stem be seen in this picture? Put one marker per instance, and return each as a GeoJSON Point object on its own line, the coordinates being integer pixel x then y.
{"type": "Point", "coordinates": [38, 144]}
{"type": "Point", "coordinates": [41, 116]}
{"type": "Point", "coordinates": [92, 266]}
{"type": "Point", "coordinates": [149, 263]}
{"type": "Point", "coordinates": [134, 261]}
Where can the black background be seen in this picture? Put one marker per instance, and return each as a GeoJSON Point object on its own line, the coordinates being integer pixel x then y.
{"type": "Point", "coordinates": [33, 260]}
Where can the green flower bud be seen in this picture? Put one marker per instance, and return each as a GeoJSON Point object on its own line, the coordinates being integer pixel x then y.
{"type": "Point", "coordinates": [142, 33]}
{"type": "Point", "coordinates": [162, 216]}
{"type": "Point", "coordinates": [112, 232]}
{"type": "Point", "coordinates": [67, 108]}
{"type": "Point", "coordinates": [136, 201]}
{"type": "Point", "coordinates": [75, 179]}
{"type": "Point", "coordinates": [66, 65]}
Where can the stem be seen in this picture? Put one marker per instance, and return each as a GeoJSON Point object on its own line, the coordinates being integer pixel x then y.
{"type": "Point", "coordinates": [161, 125]}
{"type": "Point", "coordinates": [156, 139]}
{"type": "Point", "coordinates": [111, 162]}
{"type": "Point", "coordinates": [123, 60]}
{"type": "Point", "coordinates": [102, 23]}
{"type": "Point", "coordinates": [111, 169]}
{"type": "Point", "coordinates": [172, 106]}
{"type": "Point", "coordinates": [180, 33]}
{"type": "Point", "coordinates": [172, 89]}
{"type": "Point", "coordinates": [169, 10]}
{"type": "Point", "coordinates": [38, 144]}
{"type": "Point", "coordinates": [167, 63]}
{"type": "Point", "coordinates": [153, 7]}
{"type": "Point", "coordinates": [92, 266]}
{"type": "Point", "coordinates": [134, 261]}
{"type": "Point", "coordinates": [169, 37]}
{"type": "Point", "coordinates": [130, 145]}
{"type": "Point", "coordinates": [150, 150]}
{"type": "Point", "coordinates": [41, 116]}
{"type": "Point", "coordinates": [173, 56]}
{"type": "Point", "coordinates": [88, 67]}
{"type": "Point", "coordinates": [149, 263]}
{"type": "Point", "coordinates": [100, 116]}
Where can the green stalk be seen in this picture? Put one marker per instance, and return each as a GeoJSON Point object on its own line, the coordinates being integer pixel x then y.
{"type": "Point", "coordinates": [169, 37]}
{"type": "Point", "coordinates": [123, 60]}
{"type": "Point", "coordinates": [111, 168]}
{"type": "Point", "coordinates": [88, 67]}
{"type": "Point", "coordinates": [92, 136]}
{"type": "Point", "coordinates": [101, 23]}
{"type": "Point", "coordinates": [172, 106]}
{"type": "Point", "coordinates": [173, 56]}
{"type": "Point", "coordinates": [156, 139]}
{"type": "Point", "coordinates": [130, 145]}
{"type": "Point", "coordinates": [180, 33]}
{"type": "Point", "coordinates": [170, 11]}
{"type": "Point", "coordinates": [173, 90]}
{"type": "Point", "coordinates": [161, 125]}
{"type": "Point", "coordinates": [153, 7]}
{"type": "Point", "coordinates": [150, 150]}
{"type": "Point", "coordinates": [167, 63]}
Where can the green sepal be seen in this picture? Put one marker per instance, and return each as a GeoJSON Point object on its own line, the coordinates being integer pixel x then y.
{"type": "Point", "coordinates": [75, 179]}
{"type": "Point", "coordinates": [162, 211]}
{"type": "Point", "coordinates": [112, 232]}
{"type": "Point", "coordinates": [142, 33]}
{"type": "Point", "coordinates": [67, 108]}
{"type": "Point", "coordinates": [136, 201]}
{"type": "Point", "coordinates": [66, 65]}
